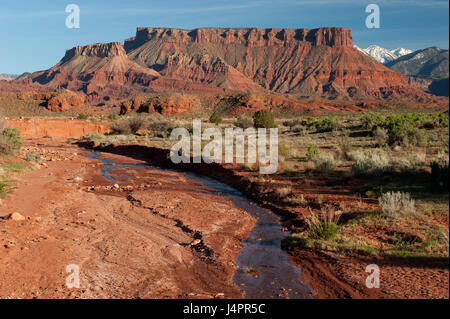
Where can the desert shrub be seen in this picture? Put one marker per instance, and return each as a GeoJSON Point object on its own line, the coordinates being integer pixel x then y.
{"type": "Point", "coordinates": [6, 147]}
{"type": "Point", "coordinates": [325, 163]}
{"type": "Point", "coordinates": [408, 136]}
{"type": "Point", "coordinates": [406, 166]}
{"type": "Point", "coordinates": [128, 125]}
{"type": "Point", "coordinates": [264, 119]}
{"type": "Point", "coordinates": [368, 121]}
{"type": "Point", "coordinates": [323, 124]}
{"type": "Point", "coordinates": [82, 117]}
{"type": "Point", "coordinates": [439, 175]}
{"type": "Point", "coordinates": [344, 146]}
{"type": "Point", "coordinates": [94, 136]}
{"type": "Point", "coordinates": [33, 157]}
{"type": "Point", "coordinates": [283, 193]}
{"type": "Point", "coordinates": [284, 150]}
{"type": "Point", "coordinates": [372, 162]}
{"type": "Point", "coordinates": [243, 122]}
{"type": "Point", "coordinates": [292, 123]}
{"type": "Point", "coordinates": [410, 164]}
{"type": "Point", "coordinates": [396, 203]}
{"type": "Point", "coordinates": [161, 128]}
{"type": "Point", "coordinates": [397, 122]}
{"type": "Point", "coordinates": [300, 130]}
{"type": "Point", "coordinates": [215, 118]}
{"type": "Point", "coordinates": [327, 124]}
{"type": "Point", "coordinates": [112, 117]}
{"type": "Point", "coordinates": [312, 152]}
{"type": "Point", "coordinates": [324, 225]}
{"type": "Point", "coordinates": [10, 141]}
{"type": "Point", "coordinates": [404, 129]}
{"type": "Point", "coordinates": [381, 136]}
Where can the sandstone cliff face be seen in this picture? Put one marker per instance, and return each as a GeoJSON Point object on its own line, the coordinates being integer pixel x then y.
{"type": "Point", "coordinates": [101, 71]}
{"type": "Point", "coordinates": [250, 37]}
{"type": "Point", "coordinates": [101, 50]}
{"type": "Point", "coordinates": [302, 63]}
{"type": "Point", "coordinates": [320, 62]}
{"type": "Point", "coordinates": [165, 104]}
{"type": "Point", "coordinates": [35, 128]}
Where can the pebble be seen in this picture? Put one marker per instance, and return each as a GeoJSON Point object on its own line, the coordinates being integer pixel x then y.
{"type": "Point", "coordinates": [196, 242]}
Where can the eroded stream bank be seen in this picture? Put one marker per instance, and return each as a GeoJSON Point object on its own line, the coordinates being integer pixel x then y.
{"type": "Point", "coordinates": [263, 268]}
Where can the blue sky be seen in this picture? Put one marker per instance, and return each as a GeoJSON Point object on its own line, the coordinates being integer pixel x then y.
{"type": "Point", "coordinates": [34, 36]}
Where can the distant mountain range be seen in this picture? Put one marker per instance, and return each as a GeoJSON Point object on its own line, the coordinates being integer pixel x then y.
{"type": "Point", "coordinates": [430, 63]}
{"type": "Point", "coordinates": [427, 69]}
{"type": "Point", "coordinates": [383, 55]}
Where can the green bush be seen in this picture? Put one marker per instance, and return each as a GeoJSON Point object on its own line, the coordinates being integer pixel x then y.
{"type": "Point", "coordinates": [10, 141]}
{"type": "Point", "coordinates": [322, 124]}
{"type": "Point", "coordinates": [323, 225]}
{"type": "Point", "coordinates": [398, 121]}
{"type": "Point", "coordinates": [323, 230]}
{"type": "Point", "coordinates": [33, 157]}
{"type": "Point", "coordinates": [327, 124]}
{"type": "Point", "coordinates": [405, 129]}
{"type": "Point", "coordinates": [264, 119]}
{"type": "Point", "coordinates": [243, 122]}
{"type": "Point", "coordinates": [408, 136]}
{"type": "Point", "coordinates": [215, 118]}
{"type": "Point", "coordinates": [312, 152]}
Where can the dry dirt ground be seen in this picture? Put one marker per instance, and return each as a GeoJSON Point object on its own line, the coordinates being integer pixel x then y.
{"type": "Point", "coordinates": [164, 239]}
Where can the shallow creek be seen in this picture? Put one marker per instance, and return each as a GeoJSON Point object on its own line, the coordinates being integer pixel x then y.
{"type": "Point", "coordinates": [264, 270]}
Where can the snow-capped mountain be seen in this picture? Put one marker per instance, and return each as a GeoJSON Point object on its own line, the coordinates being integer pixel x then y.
{"type": "Point", "coordinates": [401, 52]}
{"type": "Point", "coordinates": [7, 77]}
{"type": "Point", "coordinates": [383, 55]}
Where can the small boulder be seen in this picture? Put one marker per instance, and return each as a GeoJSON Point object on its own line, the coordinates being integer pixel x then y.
{"type": "Point", "coordinates": [64, 100]}
{"type": "Point", "coordinates": [16, 217]}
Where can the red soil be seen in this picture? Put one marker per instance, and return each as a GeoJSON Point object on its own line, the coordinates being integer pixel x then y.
{"type": "Point", "coordinates": [131, 242]}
